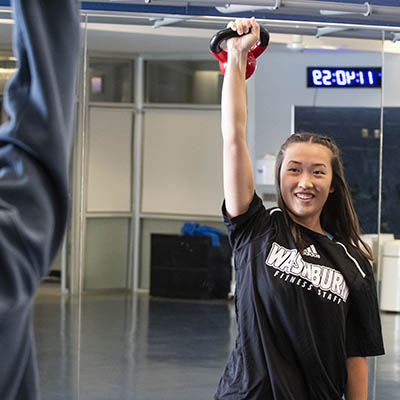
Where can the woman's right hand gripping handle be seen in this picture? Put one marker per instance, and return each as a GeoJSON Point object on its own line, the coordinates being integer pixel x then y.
{"type": "Point", "coordinates": [238, 175]}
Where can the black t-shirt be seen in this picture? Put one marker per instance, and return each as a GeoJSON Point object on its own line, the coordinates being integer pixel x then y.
{"type": "Point", "coordinates": [299, 316]}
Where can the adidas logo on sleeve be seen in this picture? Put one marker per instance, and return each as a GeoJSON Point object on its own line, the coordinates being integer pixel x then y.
{"type": "Point", "coordinates": [311, 251]}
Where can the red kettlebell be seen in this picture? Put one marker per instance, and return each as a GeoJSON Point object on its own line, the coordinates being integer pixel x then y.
{"type": "Point", "coordinates": [222, 55]}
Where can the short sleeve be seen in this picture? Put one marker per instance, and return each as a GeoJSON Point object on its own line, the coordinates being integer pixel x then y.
{"type": "Point", "coordinates": [363, 326]}
{"type": "Point", "coordinates": [243, 228]}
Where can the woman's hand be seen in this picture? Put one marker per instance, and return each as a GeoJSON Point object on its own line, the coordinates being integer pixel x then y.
{"type": "Point", "coordinates": [249, 30]}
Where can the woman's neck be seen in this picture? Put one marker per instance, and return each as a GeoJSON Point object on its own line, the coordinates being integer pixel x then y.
{"type": "Point", "coordinates": [311, 223]}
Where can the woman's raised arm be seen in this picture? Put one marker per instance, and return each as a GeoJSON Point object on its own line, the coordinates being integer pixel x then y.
{"type": "Point", "coordinates": [238, 175]}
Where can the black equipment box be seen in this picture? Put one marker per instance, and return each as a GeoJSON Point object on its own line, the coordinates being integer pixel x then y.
{"type": "Point", "coordinates": [184, 266]}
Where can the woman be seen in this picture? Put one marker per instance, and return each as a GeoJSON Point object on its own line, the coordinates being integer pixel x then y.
{"type": "Point", "coordinates": [306, 303]}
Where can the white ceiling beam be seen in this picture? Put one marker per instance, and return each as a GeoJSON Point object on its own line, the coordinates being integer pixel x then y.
{"type": "Point", "coordinates": [395, 37]}
{"type": "Point", "coordinates": [235, 8]}
{"type": "Point", "coordinates": [367, 12]}
{"type": "Point", "coordinates": [305, 6]}
{"type": "Point", "coordinates": [327, 30]}
{"type": "Point", "coordinates": [166, 21]}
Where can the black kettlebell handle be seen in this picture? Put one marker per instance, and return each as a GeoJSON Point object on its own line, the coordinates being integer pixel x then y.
{"type": "Point", "coordinates": [227, 33]}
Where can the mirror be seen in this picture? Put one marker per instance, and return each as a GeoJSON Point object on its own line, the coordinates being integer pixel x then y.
{"type": "Point", "coordinates": [148, 158]}
{"type": "Point", "coordinates": [386, 377]}
{"type": "Point", "coordinates": [170, 65]}
{"type": "Point", "coordinates": [351, 116]}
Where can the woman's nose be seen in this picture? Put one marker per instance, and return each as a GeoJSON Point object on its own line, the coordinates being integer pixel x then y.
{"type": "Point", "coordinates": [305, 181]}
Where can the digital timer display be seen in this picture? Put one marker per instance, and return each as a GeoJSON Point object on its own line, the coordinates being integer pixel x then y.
{"type": "Point", "coordinates": [344, 77]}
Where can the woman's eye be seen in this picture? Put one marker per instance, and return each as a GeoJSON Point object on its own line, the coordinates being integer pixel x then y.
{"type": "Point", "coordinates": [319, 172]}
{"type": "Point", "coordinates": [293, 170]}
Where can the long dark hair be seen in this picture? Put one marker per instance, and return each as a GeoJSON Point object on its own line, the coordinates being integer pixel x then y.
{"type": "Point", "coordinates": [338, 216]}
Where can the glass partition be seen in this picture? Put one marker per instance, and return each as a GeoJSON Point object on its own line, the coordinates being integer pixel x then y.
{"type": "Point", "coordinates": [123, 71]}
{"type": "Point", "coordinates": [7, 69]}
{"type": "Point", "coordinates": [182, 81]}
{"type": "Point", "coordinates": [110, 80]}
{"type": "Point", "coordinates": [168, 76]}
{"type": "Point", "coordinates": [387, 368]}
{"type": "Point", "coordinates": [285, 103]}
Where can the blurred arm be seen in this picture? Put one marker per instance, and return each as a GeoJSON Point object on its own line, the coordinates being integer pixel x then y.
{"type": "Point", "coordinates": [35, 144]}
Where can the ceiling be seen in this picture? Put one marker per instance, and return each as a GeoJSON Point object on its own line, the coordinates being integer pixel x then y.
{"type": "Point", "coordinates": [114, 27]}
{"type": "Point", "coordinates": [373, 12]}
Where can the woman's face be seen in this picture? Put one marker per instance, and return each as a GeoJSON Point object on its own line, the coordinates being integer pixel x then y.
{"type": "Point", "coordinates": [306, 181]}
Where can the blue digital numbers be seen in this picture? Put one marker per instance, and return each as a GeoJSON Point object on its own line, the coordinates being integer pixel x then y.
{"type": "Point", "coordinates": [350, 77]}
{"type": "Point", "coordinates": [326, 77]}
{"type": "Point", "coordinates": [344, 77]}
{"type": "Point", "coordinates": [361, 78]}
{"type": "Point", "coordinates": [317, 77]}
{"type": "Point", "coordinates": [341, 77]}
{"type": "Point", "coordinates": [370, 78]}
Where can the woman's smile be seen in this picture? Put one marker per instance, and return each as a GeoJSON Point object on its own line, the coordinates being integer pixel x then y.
{"type": "Point", "coordinates": [304, 196]}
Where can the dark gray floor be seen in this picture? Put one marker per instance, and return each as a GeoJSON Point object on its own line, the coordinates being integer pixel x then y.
{"type": "Point", "coordinates": [120, 347]}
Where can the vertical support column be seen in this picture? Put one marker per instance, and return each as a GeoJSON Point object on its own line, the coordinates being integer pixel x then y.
{"type": "Point", "coordinates": [380, 183]}
{"type": "Point", "coordinates": [137, 191]}
{"type": "Point", "coordinates": [373, 373]}
{"type": "Point", "coordinates": [64, 266]}
{"type": "Point", "coordinates": [79, 179]}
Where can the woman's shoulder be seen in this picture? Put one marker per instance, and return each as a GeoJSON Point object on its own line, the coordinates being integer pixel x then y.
{"type": "Point", "coordinates": [255, 223]}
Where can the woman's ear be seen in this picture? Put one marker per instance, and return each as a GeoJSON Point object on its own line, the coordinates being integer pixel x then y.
{"type": "Point", "coordinates": [332, 189]}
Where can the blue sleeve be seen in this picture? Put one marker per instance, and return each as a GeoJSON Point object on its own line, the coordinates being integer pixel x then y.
{"type": "Point", "coordinates": [35, 148]}
{"type": "Point", "coordinates": [35, 144]}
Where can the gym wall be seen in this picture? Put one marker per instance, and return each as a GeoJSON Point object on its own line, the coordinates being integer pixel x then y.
{"type": "Point", "coordinates": [281, 83]}
{"type": "Point", "coordinates": [278, 85]}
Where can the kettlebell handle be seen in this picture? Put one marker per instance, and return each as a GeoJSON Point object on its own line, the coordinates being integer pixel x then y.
{"type": "Point", "coordinates": [227, 33]}
{"type": "Point", "coordinates": [222, 55]}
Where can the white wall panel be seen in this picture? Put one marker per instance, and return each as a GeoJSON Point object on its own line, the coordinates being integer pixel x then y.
{"type": "Point", "coordinates": [110, 164]}
{"type": "Point", "coordinates": [182, 162]}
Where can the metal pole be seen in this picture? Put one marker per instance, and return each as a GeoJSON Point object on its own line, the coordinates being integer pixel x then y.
{"type": "Point", "coordinates": [380, 185]}
{"type": "Point", "coordinates": [82, 204]}
{"type": "Point", "coordinates": [139, 85]}
{"type": "Point", "coordinates": [380, 180]}
{"type": "Point", "coordinates": [75, 262]}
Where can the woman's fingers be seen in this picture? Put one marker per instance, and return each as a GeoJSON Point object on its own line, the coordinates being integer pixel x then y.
{"type": "Point", "coordinates": [232, 25]}
{"type": "Point", "coordinates": [243, 26]}
{"type": "Point", "coordinates": [255, 27]}
{"type": "Point", "coordinates": [249, 32]}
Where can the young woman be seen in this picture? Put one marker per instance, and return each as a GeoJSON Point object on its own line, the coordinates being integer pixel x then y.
{"type": "Point", "coordinates": [306, 302]}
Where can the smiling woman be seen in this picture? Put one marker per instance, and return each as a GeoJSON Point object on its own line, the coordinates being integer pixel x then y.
{"type": "Point", "coordinates": [318, 286]}
{"type": "Point", "coordinates": [313, 192]}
